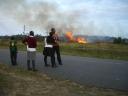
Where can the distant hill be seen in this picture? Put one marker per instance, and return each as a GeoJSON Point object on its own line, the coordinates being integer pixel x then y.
{"type": "Point", "coordinates": [92, 39]}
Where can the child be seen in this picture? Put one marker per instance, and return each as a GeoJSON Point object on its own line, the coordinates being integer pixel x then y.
{"type": "Point", "coordinates": [13, 51]}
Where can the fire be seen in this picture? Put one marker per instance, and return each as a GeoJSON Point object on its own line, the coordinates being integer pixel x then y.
{"type": "Point", "coordinates": [70, 37]}
{"type": "Point", "coordinates": [81, 40]}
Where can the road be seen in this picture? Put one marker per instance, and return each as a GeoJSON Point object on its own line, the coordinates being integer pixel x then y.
{"type": "Point", "coordinates": [104, 73]}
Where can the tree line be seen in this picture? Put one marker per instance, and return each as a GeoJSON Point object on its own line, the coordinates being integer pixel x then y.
{"type": "Point", "coordinates": [120, 40]}
{"type": "Point", "coordinates": [21, 37]}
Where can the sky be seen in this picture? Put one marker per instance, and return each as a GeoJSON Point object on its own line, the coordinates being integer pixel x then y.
{"type": "Point", "coordinates": [84, 17]}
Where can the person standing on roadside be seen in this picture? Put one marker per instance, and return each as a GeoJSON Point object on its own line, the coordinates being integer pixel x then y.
{"type": "Point", "coordinates": [31, 43]}
{"type": "Point", "coordinates": [13, 51]}
{"type": "Point", "coordinates": [48, 50]}
{"type": "Point", "coordinates": [56, 46]}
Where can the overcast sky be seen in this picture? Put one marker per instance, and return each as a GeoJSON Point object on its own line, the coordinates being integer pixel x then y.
{"type": "Point", "coordinates": [89, 17]}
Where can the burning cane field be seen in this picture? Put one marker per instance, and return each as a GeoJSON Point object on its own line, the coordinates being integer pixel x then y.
{"type": "Point", "coordinates": [95, 29]}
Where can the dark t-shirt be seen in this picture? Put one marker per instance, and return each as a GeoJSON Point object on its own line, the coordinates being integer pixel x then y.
{"type": "Point", "coordinates": [13, 46]}
{"type": "Point", "coordinates": [48, 51]}
{"type": "Point", "coordinates": [50, 40]}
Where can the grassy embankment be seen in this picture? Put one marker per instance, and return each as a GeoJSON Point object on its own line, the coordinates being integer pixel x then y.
{"type": "Point", "coordinates": [19, 82]}
{"type": "Point", "coordinates": [98, 50]}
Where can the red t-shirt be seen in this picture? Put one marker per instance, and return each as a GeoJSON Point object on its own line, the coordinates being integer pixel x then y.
{"type": "Point", "coordinates": [31, 41]}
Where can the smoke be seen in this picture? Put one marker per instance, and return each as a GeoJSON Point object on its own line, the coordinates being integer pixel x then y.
{"type": "Point", "coordinates": [91, 18]}
{"type": "Point", "coordinates": [42, 15]}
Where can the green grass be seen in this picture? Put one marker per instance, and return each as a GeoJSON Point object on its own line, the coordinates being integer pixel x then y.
{"type": "Point", "coordinates": [19, 82]}
{"type": "Point", "coordinates": [97, 50]}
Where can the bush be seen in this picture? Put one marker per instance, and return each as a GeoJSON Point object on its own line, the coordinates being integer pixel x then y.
{"type": "Point", "coordinates": [119, 40]}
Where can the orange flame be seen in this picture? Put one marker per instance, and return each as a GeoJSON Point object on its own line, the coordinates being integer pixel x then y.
{"type": "Point", "coordinates": [70, 37]}
{"type": "Point", "coordinates": [81, 40]}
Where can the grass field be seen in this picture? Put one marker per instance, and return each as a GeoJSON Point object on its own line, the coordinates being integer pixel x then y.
{"type": "Point", "coordinates": [19, 82]}
{"type": "Point", "coordinates": [98, 50]}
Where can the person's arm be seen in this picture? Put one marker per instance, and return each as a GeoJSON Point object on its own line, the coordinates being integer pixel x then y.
{"type": "Point", "coordinates": [36, 42]}
{"type": "Point", "coordinates": [45, 41]}
{"type": "Point", "coordinates": [56, 39]}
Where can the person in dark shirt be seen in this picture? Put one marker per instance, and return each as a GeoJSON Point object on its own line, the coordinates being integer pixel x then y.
{"type": "Point", "coordinates": [56, 46]}
{"type": "Point", "coordinates": [48, 50]}
{"type": "Point", "coordinates": [31, 43]}
{"type": "Point", "coordinates": [13, 51]}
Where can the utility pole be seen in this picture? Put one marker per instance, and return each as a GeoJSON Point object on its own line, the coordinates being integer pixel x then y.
{"type": "Point", "coordinates": [24, 30]}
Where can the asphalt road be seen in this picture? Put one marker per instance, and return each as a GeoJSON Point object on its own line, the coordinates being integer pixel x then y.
{"type": "Point", "coordinates": [86, 71]}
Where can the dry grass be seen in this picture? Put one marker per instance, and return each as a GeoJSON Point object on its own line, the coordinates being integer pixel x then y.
{"type": "Point", "coordinates": [19, 82]}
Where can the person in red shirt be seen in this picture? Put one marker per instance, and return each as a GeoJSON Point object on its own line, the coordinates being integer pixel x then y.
{"type": "Point", "coordinates": [31, 43]}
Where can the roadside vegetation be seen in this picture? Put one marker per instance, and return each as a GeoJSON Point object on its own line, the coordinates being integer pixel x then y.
{"type": "Point", "coordinates": [15, 81]}
{"type": "Point", "coordinates": [97, 50]}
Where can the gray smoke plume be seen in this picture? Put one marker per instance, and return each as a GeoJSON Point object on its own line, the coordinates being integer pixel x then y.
{"type": "Point", "coordinates": [42, 15]}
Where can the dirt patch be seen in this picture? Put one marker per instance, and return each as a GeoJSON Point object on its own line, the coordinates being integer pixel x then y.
{"type": "Point", "coordinates": [19, 82]}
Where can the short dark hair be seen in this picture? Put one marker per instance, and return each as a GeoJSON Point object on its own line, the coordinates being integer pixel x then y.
{"type": "Point", "coordinates": [53, 30]}
{"type": "Point", "coordinates": [32, 33]}
{"type": "Point", "coordinates": [51, 33]}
